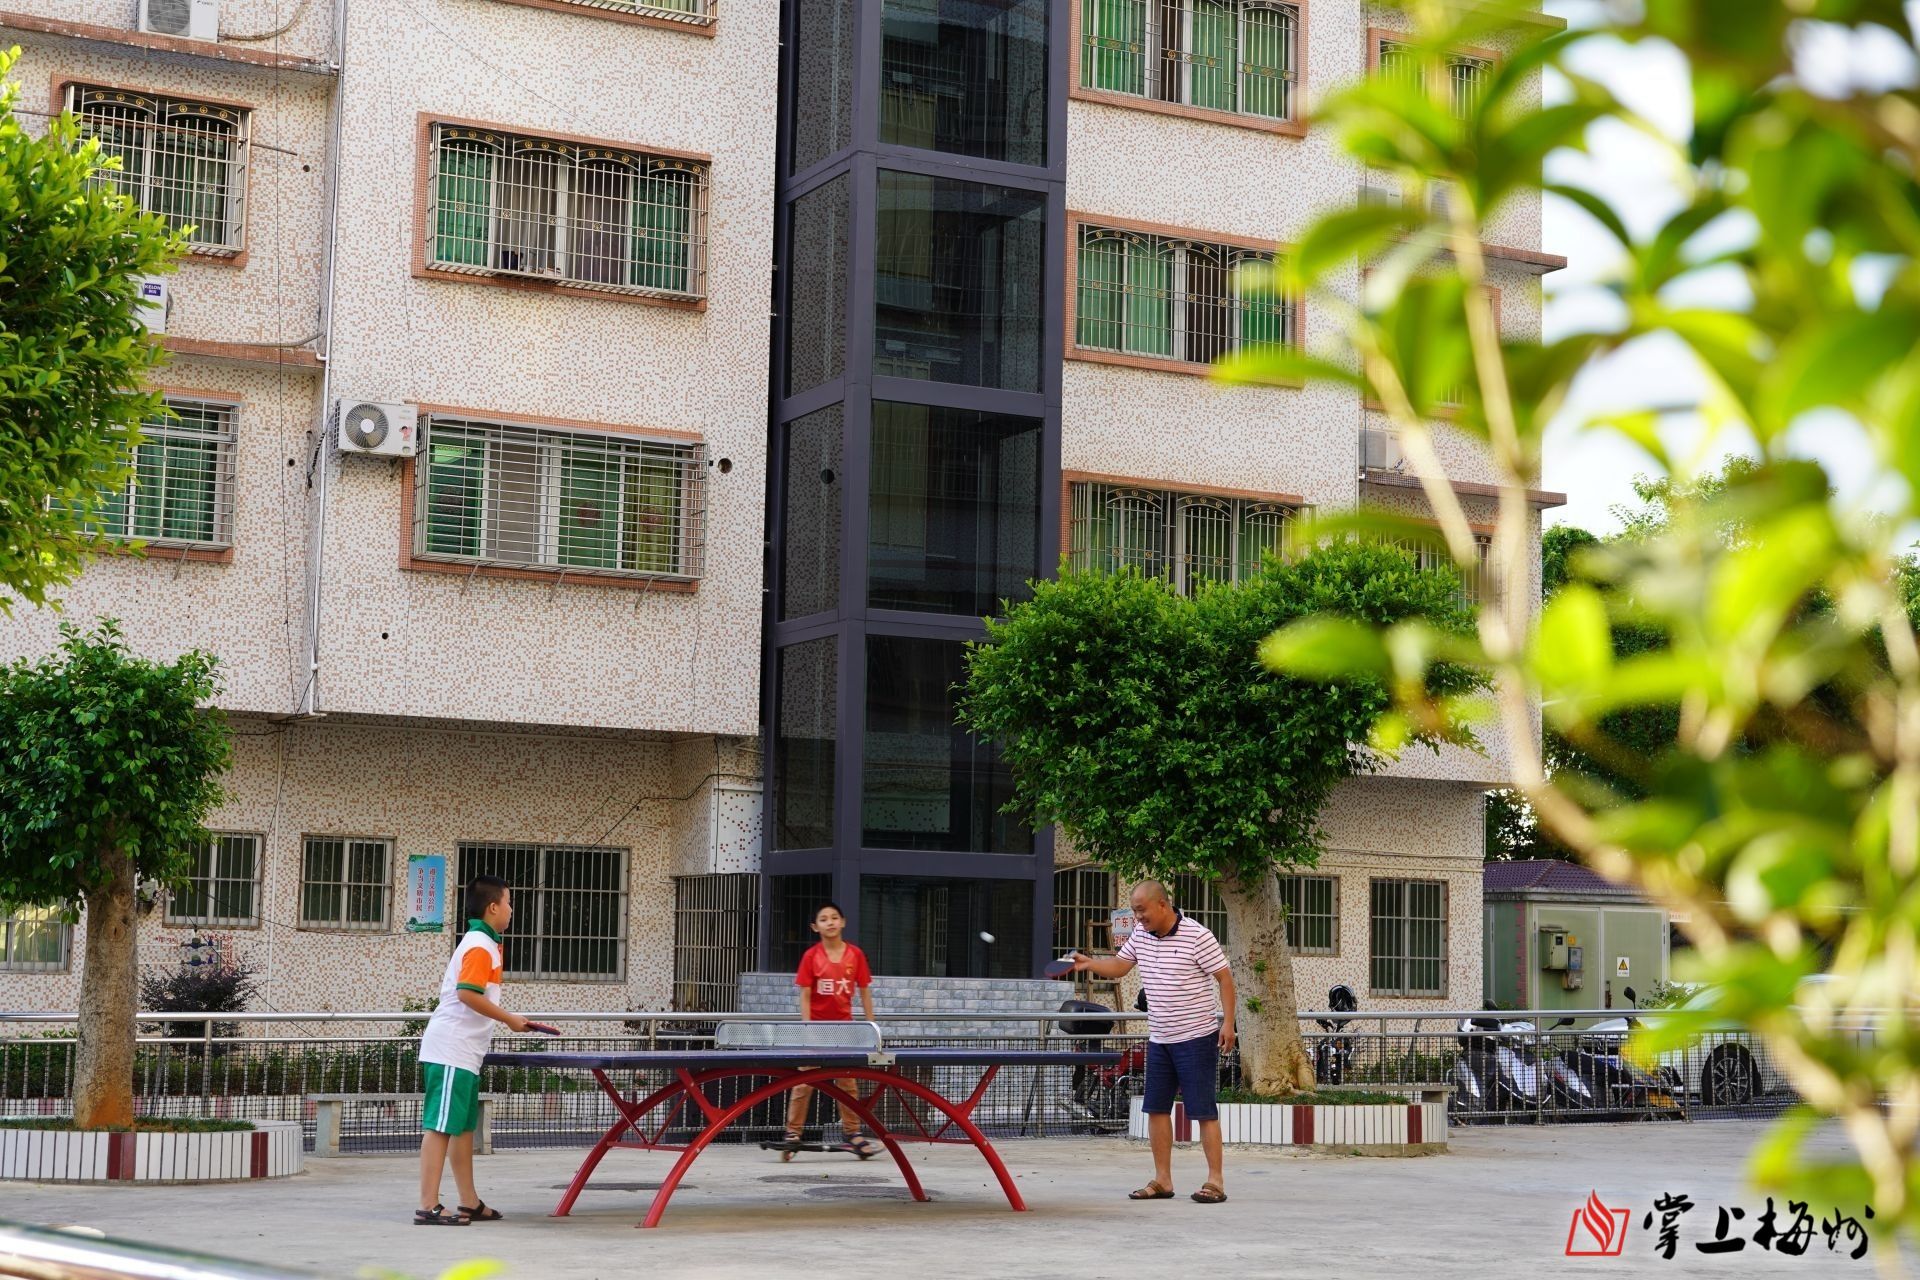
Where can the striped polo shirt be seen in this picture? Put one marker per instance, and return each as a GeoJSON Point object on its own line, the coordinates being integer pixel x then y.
{"type": "Point", "coordinates": [1177, 971]}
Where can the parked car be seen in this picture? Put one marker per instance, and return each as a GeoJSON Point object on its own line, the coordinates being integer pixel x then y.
{"type": "Point", "coordinates": [1724, 1066]}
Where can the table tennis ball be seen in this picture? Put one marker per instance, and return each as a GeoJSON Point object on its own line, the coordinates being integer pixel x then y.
{"type": "Point", "coordinates": [985, 936]}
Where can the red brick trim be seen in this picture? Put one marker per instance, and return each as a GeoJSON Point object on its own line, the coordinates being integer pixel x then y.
{"type": "Point", "coordinates": [684, 26]}
{"type": "Point", "coordinates": [257, 1154]}
{"type": "Point", "coordinates": [241, 352]}
{"type": "Point", "coordinates": [1302, 1126]}
{"type": "Point", "coordinates": [1294, 128]}
{"type": "Point", "coordinates": [120, 1157]}
{"type": "Point", "coordinates": [242, 58]}
{"type": "Point", "coordinates": [1414, 1133]}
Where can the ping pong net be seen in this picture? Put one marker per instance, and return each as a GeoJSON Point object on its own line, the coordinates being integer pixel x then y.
{"type": "Point", "coordinates": [849, 1037]}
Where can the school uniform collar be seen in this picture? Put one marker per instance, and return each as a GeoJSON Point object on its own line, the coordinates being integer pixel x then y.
{"type": "Point", "coordinates": [483, 927]}
{"type": "Point", "coordinates": [1178, 916]}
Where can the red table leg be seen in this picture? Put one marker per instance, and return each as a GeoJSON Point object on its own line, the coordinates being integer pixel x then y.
{"type": "Point", "coordinates": [823, 1078]}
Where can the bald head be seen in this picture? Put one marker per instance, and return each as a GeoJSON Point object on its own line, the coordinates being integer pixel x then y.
{"type": "Point", "coordinates": [1153, 906]}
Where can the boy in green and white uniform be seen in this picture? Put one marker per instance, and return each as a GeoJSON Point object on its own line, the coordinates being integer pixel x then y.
{"type": "Point", "coordinates": [451, 1052]}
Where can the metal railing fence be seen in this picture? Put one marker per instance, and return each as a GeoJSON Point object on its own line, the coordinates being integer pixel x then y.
{"type": "Point", "coordinates": [277, 1064]}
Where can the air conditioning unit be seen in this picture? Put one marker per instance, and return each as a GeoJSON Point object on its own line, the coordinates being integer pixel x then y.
{"type": "Point", "coordinates": [154, 303]}
{"type": "Point", "coordinates": [384, 430]}
{"type": "Point", "coordinates": [1379, 451]}
{"type": "Point", "coordinates": [189, 19]}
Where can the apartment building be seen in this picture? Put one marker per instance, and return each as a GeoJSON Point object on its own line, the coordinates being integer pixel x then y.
{"type": "Point", "coordinates": [974, 258]}
{"type": "Point", "coordinates": [518, 632]}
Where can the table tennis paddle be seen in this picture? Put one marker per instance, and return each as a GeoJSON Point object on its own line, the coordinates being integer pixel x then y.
{"type": "Point", "coordinates": [1058, 968]}
{"type": "Point", "coordinates": [543, 1028]}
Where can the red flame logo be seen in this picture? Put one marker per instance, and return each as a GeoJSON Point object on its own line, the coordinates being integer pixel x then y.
{"type": "Point", "coordinates": [1597, 1231]}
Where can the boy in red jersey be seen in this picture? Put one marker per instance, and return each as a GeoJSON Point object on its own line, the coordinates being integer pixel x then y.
{"type": "Point", "coordinates": [830, 972]}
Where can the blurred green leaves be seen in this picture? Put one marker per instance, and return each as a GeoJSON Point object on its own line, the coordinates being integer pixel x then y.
{"type": "Point", "coordinates": [1734, 685]}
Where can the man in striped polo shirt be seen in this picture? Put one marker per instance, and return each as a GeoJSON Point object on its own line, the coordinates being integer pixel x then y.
{"type": "Point", "coordinates": [1181, 967]}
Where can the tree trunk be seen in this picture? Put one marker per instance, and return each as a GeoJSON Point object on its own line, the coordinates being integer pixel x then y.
{"type": "Point", "coordinates": [109, 999]}
{"type": "Point", "coordinates": [1273, 1058]}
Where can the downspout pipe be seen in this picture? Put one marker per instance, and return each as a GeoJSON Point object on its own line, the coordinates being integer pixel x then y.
{"type": "Point", "coordinates": [309, 700]}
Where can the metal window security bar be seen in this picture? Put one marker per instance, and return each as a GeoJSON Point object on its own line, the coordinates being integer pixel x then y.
{"type": "Point", "coordinates": [184, 160]}
{"type": "Point", "coordinates": [695, 13]}
{"type": "Point", "coordinates": [223, 887]}
{"type": "Point", "coordinates": [1408, 944]}
{"type": "Point", "coordinates": [1187, 300]}
{"type": "Point", "coordinates": [716, 919]}
{"type": "Point", "coordinates": [491, 493]}
{"type": "Point", "coordinates": [180, 486]}
{"type": "Point", "coordinates": [35, 940]}
{"type": "Point", "coordinates": [569, 908]}
{"type": "Point", "coordinates": [1189, 539]}
{"type": "Point", "coordinates": [1313, 914]}
{"type": "Point", "coordinates": [1477, 583]}
{"type": "Point", "coordinates": [1228, 55]}
{"type": "Point", "coordinates": [1465, 76]}
{"type": "Point", "coordinates": [345, 883]}
{"type": "Point", "coordinates": [599, 218]}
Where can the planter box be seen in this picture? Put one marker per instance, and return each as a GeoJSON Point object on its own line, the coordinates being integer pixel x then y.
{"type": "Point", "coordinates": [1407, 1129]}
{"type": "Point", "coordinates": [272, 1150]}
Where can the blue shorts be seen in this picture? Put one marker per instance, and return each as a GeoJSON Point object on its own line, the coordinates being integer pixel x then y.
{"type": "Point", "coordinates": [1190, 1066]}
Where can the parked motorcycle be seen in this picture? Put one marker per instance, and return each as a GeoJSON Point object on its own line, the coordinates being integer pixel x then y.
{"type": "Point", "coordinates": [1333, 1054]}
{"type": "Point", "coordinates": [1618, 1085]}
{"type": "Point", "coordinates": [1499, 1073]}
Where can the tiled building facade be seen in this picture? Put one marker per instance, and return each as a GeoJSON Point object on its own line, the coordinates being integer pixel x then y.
{"type": "Point", "coordinates": [975, 256]}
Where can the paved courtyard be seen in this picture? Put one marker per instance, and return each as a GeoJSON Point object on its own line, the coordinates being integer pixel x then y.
{"type": "Point", "coordinates": [1498, 1205]}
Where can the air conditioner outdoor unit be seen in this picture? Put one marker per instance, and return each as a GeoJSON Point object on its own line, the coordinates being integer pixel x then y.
{"type": "Point", "coordinates": [1379, 451]}
{"type": "Point", "coordinates": [384, 430]}
{"type": "Point", "coordinates": [190, 19]}
{"type": "Point", "coordinates": [151, 310]}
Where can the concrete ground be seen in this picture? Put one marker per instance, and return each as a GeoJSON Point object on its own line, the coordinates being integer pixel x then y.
{"type": "Point", "coordinates": [1499, 1204]}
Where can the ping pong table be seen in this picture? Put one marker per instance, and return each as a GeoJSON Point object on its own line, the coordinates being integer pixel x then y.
{"type": "Point", "coordinates": [785, 1055]}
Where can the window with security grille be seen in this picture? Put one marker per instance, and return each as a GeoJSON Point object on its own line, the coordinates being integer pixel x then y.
{"type": "Point", "coordinates": [184, 160]}
{"type": "Point", "coordinates": [716, 926]}
{"type": "Point", "coordinates": [345, 883]}
{"type": "Point", "coordinates": [1175, 299]}
{"type": "Point", "coordinates": [1228, 55]}
{"type": "Point", "coordinates": [1477, 583]}
{"type": "Point", "coordinates": [509, 494]}
{"type": "Point", "coordinates": [1313, 914]}
{"type": "Point", "coordinates": [179, 485]}
{"type": "Point", "coordinates": [1408, 948]}
{"type": "Point", "coordinates": [600, 218]}
{"type": "Point", "coordinates": [35, 940]}
{"type": "Point", "coordinates": [569, 908]}
{"type": "Point", "coordinates": [1187, 538]}
{"type": "Point", "coordinates": [1465, 76]}
{"type": "Point", "coordinates": [224, 886]}
{"type": "Point", "coordinates": [1198, 896]}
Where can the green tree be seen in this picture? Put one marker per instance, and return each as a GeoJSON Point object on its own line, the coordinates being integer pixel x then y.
{"type": "Point", "coordinates": [73, 354]}
{"type": "Point", "coordinates": [1140, 721]}
{"type": "Point", "coordinates": [109, 764]}
{"type": "Point", "coordinates": [1782, 811]}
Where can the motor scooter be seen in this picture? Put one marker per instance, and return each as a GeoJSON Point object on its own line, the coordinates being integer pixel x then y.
{"type": "Point", "coordinates": [1333, 1054]}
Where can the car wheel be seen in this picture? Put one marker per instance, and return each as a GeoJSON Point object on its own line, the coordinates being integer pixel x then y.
{"type": "Point", "coordinates": [1729, 1077]}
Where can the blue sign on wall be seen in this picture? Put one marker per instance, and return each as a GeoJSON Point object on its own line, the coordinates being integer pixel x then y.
{"type": "Point", "coordinates": [426, 892]}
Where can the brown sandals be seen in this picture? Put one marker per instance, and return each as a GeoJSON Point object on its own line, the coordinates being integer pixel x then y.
{"type": "Point", "coordinates": [1209, 1193]}
{"type": "Point", "coordinates": [1152, 1191]}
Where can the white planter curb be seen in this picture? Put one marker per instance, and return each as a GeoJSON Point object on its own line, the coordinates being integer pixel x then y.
{"type": "Point", "coordinates": [1412, 1128]}
{"type": "Point", "coordinates": [273, 1149]}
